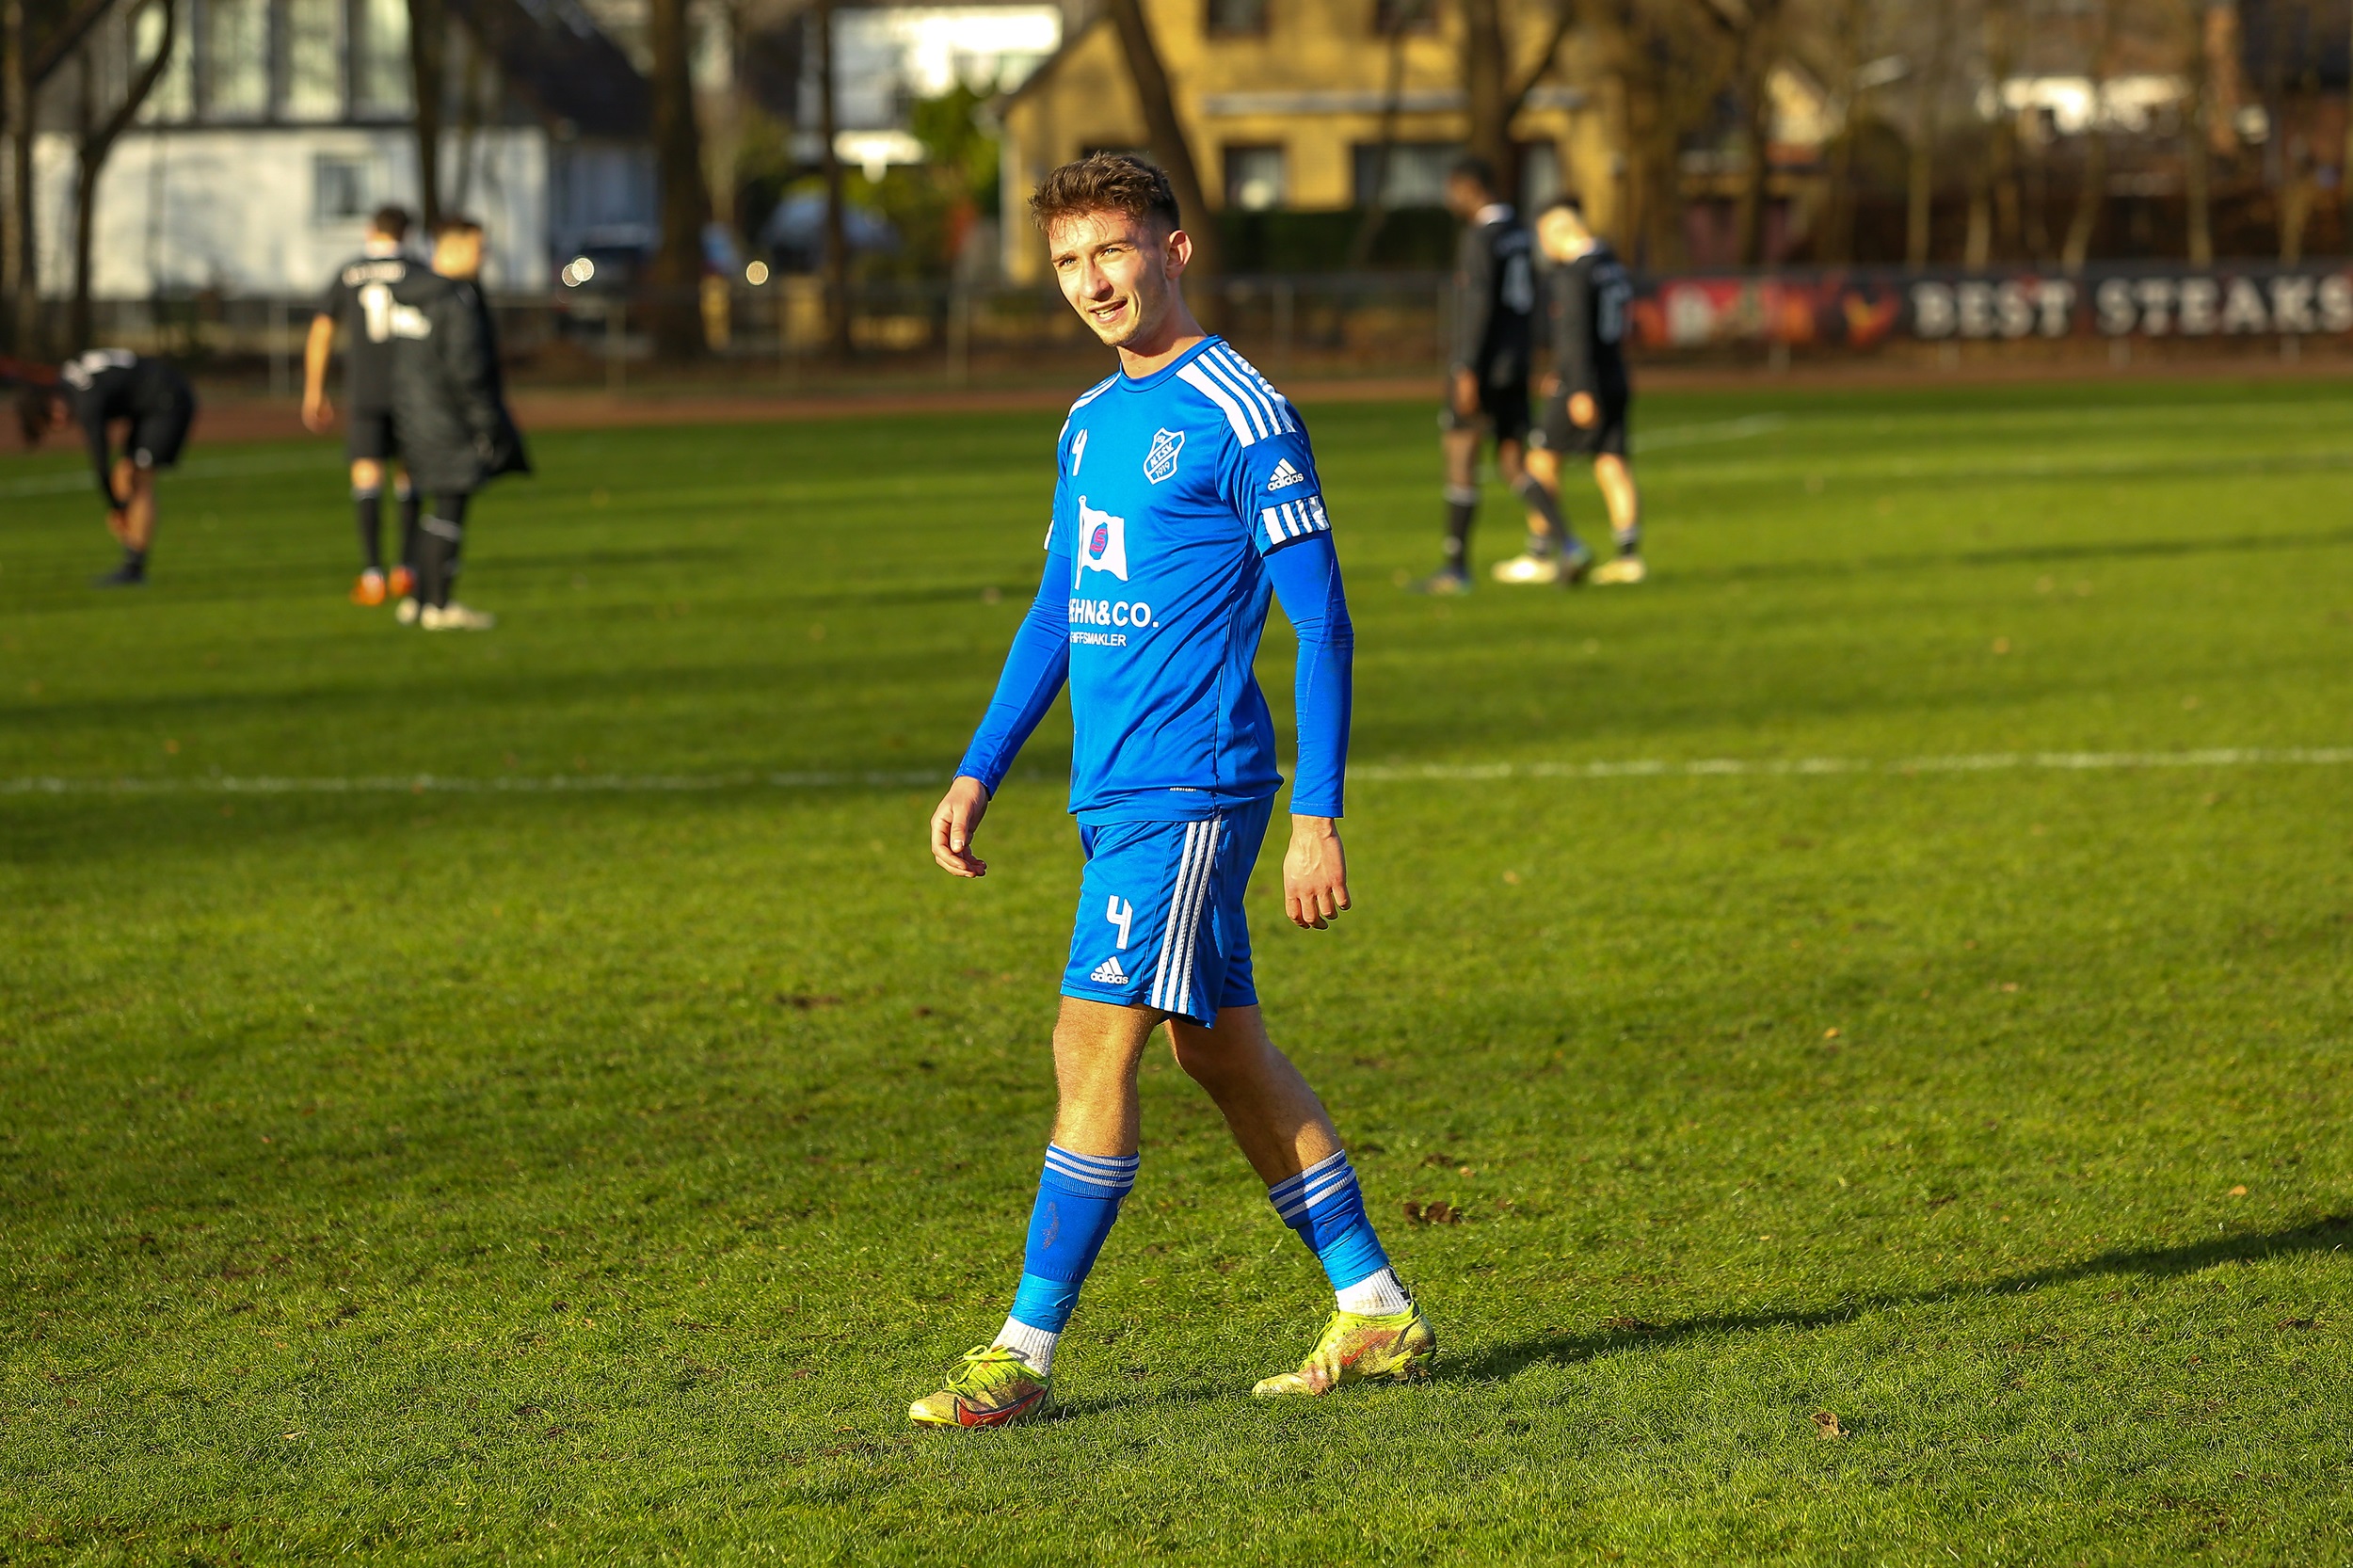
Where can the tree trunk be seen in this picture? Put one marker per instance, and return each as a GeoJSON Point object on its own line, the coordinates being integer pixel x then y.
{"type": "Point", "coordinates": [1377, 208]}
{"type": "Point", "coordinates": [427, 37]}
{"type": "Point", "coordinates": [837, 234]}
{"type": "Point", "coordinates": [1757, 65]}
{"type": "Point", "coordinates": [17, 295]}
{"type": "Point", "coordinates": [2000, 168]}
{"type": "Point", "coordinates": [1920, 183]}
{"type": "Point", "coordinates": [2197, 165]}
{"type": "Point", "coordinates": [678, 267]}
{"type": "Point", "coordinates": [2089, 198]}
{"type": "Point", "coordinates": [1486, 84]}
{"type": "Point", "coordinates": [97, 144]}
{"type": "Point", "coordinates": [1837, 229]}
{"type": "Point", "coordinates": [1175, 153]}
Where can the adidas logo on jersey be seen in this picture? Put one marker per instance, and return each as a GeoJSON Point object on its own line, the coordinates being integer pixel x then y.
{"type": "Point", "coordinates": [1108, 973]}
{"type": "Point", "coordinates": [1285, 475]}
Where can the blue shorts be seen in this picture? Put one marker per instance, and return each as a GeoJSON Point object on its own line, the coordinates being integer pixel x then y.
{"type": "Point", "coordinates": [1160, 920]}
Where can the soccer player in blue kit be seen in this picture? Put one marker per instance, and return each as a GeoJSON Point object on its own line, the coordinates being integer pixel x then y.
{"type": "Point", "coordinates": [1185, 496]}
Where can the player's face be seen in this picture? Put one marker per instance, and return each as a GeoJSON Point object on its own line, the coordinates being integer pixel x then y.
{"type": "Point", "coordinates": [1561, 235]}
{"type": "Point", "coordinates": [457, 254]}
{"type": "Point", "coordinates": [1118, 272]}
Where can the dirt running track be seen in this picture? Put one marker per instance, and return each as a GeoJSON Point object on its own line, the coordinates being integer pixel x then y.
{"type": "Point", "coordinates": [230, 417]}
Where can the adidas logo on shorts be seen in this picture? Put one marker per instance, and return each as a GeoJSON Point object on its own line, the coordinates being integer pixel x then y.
{"type": "Point", "coordinates": [1108, 973]}
{"type": "Point", "coordinates": [1285, 475]}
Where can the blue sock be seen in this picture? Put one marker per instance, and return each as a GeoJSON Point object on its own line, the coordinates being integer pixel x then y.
{"type": "Point", "coordinates": [1078, 1200]}
{"type": "Point", "coordinates": [1326, 1206]}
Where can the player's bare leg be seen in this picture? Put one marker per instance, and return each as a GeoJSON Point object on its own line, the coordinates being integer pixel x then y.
{"type": "Point", "coordinates": [367, 500]}
{"type": "Point", "coordinates": [1554, 553]}
{"type": "Point", "coordinates": [133, 523]}
{"type": "Point", "coordinates": [1273, 1115]}
{"type": "Point", "coordinates": [1096, 1048]}
{"type": "Point", "coordinates": [1624, 502]}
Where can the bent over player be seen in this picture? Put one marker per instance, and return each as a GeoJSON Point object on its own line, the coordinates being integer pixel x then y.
{"type": "Point", "coordinates": [1588, 394]}
{"type": "Point", "coordinates": [1185, 495]}
{"type": "Point", "coordinates": [359, 301]}
{"type": "Point", "coordinates": [157, 405]}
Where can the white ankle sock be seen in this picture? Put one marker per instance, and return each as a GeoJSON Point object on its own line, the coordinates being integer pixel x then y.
{"type": "Point", "coordinates": [1034, 1345]}
{"type": "Point", "coordinates": [1376, 1295]}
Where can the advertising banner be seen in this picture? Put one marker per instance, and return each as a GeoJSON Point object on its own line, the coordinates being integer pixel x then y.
{"type": "Point", "coordinates": [1862, 308]}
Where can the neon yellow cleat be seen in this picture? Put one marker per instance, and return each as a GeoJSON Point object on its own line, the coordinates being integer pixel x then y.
{"type": "Point", "coordinates": [1527, 568]}
{"type": "Point", "coordinates": [1625, 568]}
{"type": "Point", "coordinates": [991, 1387]}
{"type": "Point", "coordinates": [1398, 1347]}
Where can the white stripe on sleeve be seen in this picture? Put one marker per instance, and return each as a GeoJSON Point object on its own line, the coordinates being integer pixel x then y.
{"type": "Point", "coordinates": [1199, 379]}
{"type": "Point", "coordinates": [1218, 371]}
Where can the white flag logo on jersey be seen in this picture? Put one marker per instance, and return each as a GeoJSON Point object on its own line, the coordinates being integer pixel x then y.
{"type": "Point", "coordinates": [1102, 543]}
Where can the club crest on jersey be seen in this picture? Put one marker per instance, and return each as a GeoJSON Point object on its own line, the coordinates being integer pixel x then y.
{"type": "Point", "coordinates": [1161, 461]}
{"type": "Point", "coordinates": [1102, 542]}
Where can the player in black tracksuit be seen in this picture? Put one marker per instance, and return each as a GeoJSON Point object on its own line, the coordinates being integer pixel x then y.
{"type": "Point", "coordinates": [449, 413]}
{"type": "Point", "coordinates": [1588, 393]}
{"type": "Point", "coordinates": [95, 390]}
{"type": "Point", "coordinates": [359, 301]}
{"type": "Point", "coordinates": [1495, 301]}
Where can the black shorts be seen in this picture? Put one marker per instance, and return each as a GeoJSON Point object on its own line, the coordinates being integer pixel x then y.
{"type": "Point", "coordinates": [369, 437]}
{"type": "Point", "coordinates": [1605, 438]}
{"type": "Point", "coordinates": [1502, 410]}
{"type": "Point", "coordinates": [157, 437]}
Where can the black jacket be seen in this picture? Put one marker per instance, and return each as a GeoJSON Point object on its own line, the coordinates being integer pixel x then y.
{"type": "Point", "coordinates": [1495, 298]}
{"type": "Point", "coordinates": [449, 401]}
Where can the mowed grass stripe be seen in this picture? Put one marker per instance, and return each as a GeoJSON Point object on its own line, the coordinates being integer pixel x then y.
{"type": "Point", "coordinates": [561, 1174]}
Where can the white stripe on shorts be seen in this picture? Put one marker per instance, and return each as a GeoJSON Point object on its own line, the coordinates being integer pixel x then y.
{"type": "Point", "coordinates": [1172, 976]}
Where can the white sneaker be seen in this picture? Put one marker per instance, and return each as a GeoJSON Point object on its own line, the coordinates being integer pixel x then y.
{"type": "Point", "coordinates": [1528, 569]}
{"type": "Point", "coordinates": [405, 611]}
{"type": "Point", "coordinates": [1625, 568]}
{"type": "Point", "coordinates": [455, 618]}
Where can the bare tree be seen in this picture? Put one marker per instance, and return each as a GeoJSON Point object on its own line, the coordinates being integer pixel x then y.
{"type": "Point", "coordinates": [1753, 31]}
{"type": "Point", "coordinates": [1994, 181]}
{"type": "Point", "coordinates": [1376, 213]}
{"type": "Point", "coordinates": [1167, 137]}
{"type": "Point", "coordinates": [2197, 129]}
{"type": "Point", "coordinates": [1845, 40]}
{"type": "Point", "coordinates": [1920, 179]}
{"type": "Point", "coordinates": [2091, 195]}
{"type": "Point", "coordinates": [428, 38]}
{"type": "Point", "coordinates": [97, 142]}
{"type": "Point", "coordinates": [837, 234]}
{"type": "Point", "coordinates": [1496, 94]}
{"type": "Point", "coordinates": [16, 266]}
{"type": "Point", "coordinates": [677, 266]}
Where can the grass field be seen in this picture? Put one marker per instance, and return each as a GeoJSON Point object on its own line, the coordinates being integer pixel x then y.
{"type": "Point", "coordinates": [584, 1154]}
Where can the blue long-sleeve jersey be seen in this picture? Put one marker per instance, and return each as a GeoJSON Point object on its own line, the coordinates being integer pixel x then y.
{"type": "Point", "coordinates": [1183, 503]}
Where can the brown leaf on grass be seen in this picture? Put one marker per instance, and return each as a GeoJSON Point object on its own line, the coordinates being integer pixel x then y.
{"type": "Point", "coordinates": [1628, 1325]}
{"type": "Point", "coordinates": [1442, 1213]}
{"type": "Point", "coordinates": [1412, 1211]}
{"type": "Point", "coordinates": [1826, 1426]}
{"type": "Point", "coordinates": [1437, 1160]}
{"type": "Point", "coordinates": [2293, 1322]}
{"type": "Point", "coordinates": [804, 1003]}
{"type": "Point", "coordinates": [2238, 1191]}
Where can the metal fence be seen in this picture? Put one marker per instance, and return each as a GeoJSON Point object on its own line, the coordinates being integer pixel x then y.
{"type": "Point", "coordinates": [778, 334]}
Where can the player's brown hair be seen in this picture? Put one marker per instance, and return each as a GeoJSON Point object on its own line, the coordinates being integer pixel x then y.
{"type": "Point", "coordinates": [391, 223]}
{"type": "Point", "coordinates": [34, 410]}
{"type": "Point", "coordinates": [456, 225]}
{"type": "Point", "coordinates": [1106, 182]}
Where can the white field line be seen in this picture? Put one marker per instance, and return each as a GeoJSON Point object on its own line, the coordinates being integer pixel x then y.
{"type": "Point", "coordinates": [1703, 435]}
{"type": "Point", "coordinates": [1375, 773]}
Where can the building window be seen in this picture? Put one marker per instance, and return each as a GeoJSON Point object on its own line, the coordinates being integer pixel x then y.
{"type": "Point", "coordinates": [1236, 18]}
{"type": "Point", "coordinates": [343, 187]}
{"type": "Point", "coordinates": [1404, 16]}
{"type": "Point", "coordinates": [314, 60]}
{"type": "Point", "coordinates": [1416, 173]}
{"type": "Point", "coordinates": [379, 69]}
{"type": "Point", "coordinates": [236, 59]}
{"type": "Point", "coordinates": [1253, 177]}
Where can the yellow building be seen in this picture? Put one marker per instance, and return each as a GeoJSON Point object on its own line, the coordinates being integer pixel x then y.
{"type": "Point", "coordinates": [1284, 103]}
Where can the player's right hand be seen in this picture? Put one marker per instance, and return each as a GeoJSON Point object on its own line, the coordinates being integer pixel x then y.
{"type": "Point", "coordinates": [953, 824]}
{"type": "Point", "coordinates": [317, 414]}
{"type": "Point", "coordinates": [1465, 393]}
{"type": "Point", "coordinates": [1582, 412]}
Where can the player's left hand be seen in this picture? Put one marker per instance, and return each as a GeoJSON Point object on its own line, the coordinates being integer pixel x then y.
{"type": "Point", "coordinates": [1581, 410]}
{"type": "Point", "coordinates": [953, 824]}
{"type": "Point", "coordinates": [1315, 873]}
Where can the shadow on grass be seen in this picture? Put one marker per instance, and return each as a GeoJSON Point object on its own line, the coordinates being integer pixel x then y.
{"type": "Point", "coordinates": [2326, 1234]}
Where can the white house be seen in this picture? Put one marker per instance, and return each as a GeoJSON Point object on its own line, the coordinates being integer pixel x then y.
{"type": "Point", "coordinates": [279, 124]}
